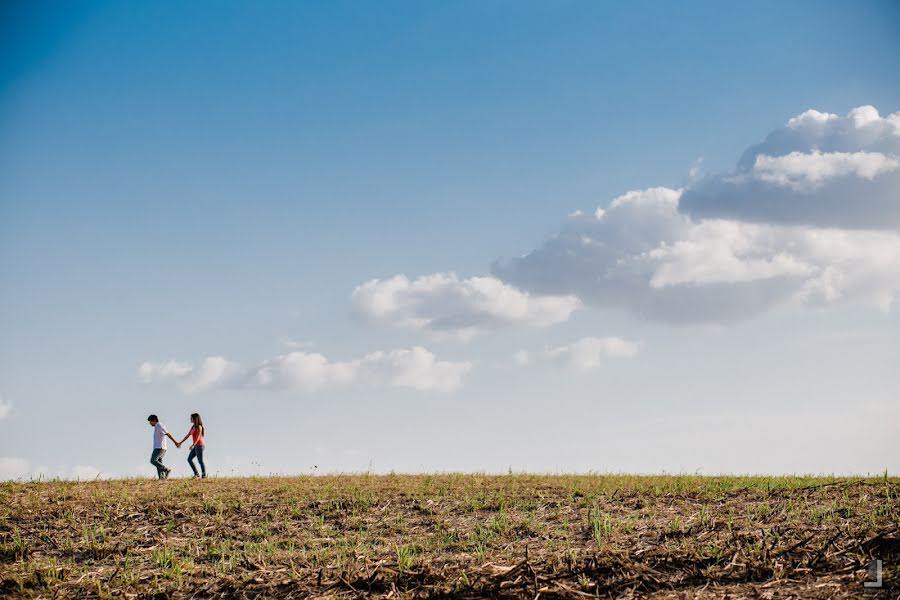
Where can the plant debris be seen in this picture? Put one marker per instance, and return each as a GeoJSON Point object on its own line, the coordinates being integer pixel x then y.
{"type": "Point", "coordinates": [463, 536]}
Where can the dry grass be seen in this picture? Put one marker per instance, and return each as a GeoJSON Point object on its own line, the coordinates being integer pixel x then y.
{"type": "Point", "coordinates": [449, 535]}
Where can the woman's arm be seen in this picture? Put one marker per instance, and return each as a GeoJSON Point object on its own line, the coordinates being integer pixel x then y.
{"type": "Point", "coordinates": [186, 436]}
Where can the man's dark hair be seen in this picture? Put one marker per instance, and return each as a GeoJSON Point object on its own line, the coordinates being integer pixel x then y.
{"type": "Point", "coordinates": [153, 418]}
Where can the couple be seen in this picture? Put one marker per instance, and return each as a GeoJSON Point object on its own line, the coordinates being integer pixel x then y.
{"type": "Point", "coordinates": [159, 445]}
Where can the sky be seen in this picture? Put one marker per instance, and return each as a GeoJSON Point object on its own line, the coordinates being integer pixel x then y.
{"type": "Point", "coordinates": [450, 236]}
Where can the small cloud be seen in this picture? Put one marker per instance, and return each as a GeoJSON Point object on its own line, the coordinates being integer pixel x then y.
{"type": "Point", "coordinates": [5, 408]}
{"type": "Point", "coordinates": [169, 369]}
{"type": "Point", "coordinates": [415, 368]}
{"type": "Point", "coordinates": [521, 358]}
{"type": "Point", "coordinates": [590, 352]}
{"type": "Point", "coordinates": [214, 371]}
{"type": "Point", "coordinates": [297, 344]}
{"type": "Point", "coordinates": [695, 173]}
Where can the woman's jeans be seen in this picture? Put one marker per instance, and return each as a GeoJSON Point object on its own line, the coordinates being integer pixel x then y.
{"type": "Point", "coordinates": [198, 452]}
{"type": "Point", "coordinates": [156, 461]}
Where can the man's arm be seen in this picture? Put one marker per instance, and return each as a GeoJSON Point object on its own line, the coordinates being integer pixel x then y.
{"type": "Point", "coordinates": [177, 443]}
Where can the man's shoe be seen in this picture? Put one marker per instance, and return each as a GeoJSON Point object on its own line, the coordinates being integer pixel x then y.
{"type": "Point", "coordinates": [204, 476]}
{"type": "Point", "coordinates": [166, 473]}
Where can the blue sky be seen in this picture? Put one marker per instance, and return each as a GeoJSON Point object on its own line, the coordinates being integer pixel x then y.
{"type": "Point", "coordinates": [186, 181]}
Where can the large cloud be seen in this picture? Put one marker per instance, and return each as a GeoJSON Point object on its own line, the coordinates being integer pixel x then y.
{"type": "Point", "coordinates": [415, 368]}
{"type": "Point", "coordinates": [641, 253]}
{"type": "Point", "coordinates": [820, 169]}
{"type": "Point", "coordinates": [442, 304]}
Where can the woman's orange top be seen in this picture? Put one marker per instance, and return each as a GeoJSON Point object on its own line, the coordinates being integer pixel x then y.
{"type": "Point", "coordinates": [197, 436]}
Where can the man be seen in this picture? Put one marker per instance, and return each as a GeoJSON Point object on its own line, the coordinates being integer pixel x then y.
{"type": "Point", "coordinates": [160, 433]}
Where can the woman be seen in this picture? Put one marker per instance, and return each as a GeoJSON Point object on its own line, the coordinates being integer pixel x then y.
{"type": "Point", "coordinates": [196, 432]}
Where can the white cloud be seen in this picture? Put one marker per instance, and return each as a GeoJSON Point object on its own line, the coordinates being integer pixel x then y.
{"type": "Point", "coordinates": [293, 344]}
{"type": "Point", "coordinates": [415, 368]}
{"type": "Point", "coordinates": [169, 369]}
{"type": "Point", "coordinates": [522, 358]}
{"type": "Point", "coordinates": [719, 251]}
{"type": "Point", "coordinates": [5, 408]}
{"type": "Point", "coordinates": [214, 371]}
{"type": "Point", "coordinates": [305, 371]}
{"type": "Point", "coordinates": [590, 352]}
{"type": "Point", "coordinates": [820, 169]}
{"type": "Point", "coordinates": [811, 117]}
{"type": "Point", "coordinates": [15, 468]}
{"type": "Point", "coordinates": [810, 170]}
{"type": "Point", "coordinates": [447, 306]}
{"type": "Point", "coordinates": [641, 253]}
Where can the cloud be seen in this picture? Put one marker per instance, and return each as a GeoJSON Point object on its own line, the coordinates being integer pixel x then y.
{"type": "Point", "coordinates": [415, 368]}
{"type": "Point", "coordinates": [820, 169]}
{"type": "Point", "coordinates": [522, 358]}
{"type": "Point", "coordinates": [811, 170]}
{"type": "Point", "coordinates": [305, 371]}
{"type": "Point", "coordinates": [590, 352]}
{"type": "Point", "coordinates": [446, 306]}
{"type": "Point", "coordinates": [293, 344]}
{"type": "Point", "coordinates": [15, 468]}
{"type": "Point", "coordinates": [214, 371]}
{"type": "Point", "coordinates": [5, 408]}
{"type": "Point", "coordinates": [641, 253]}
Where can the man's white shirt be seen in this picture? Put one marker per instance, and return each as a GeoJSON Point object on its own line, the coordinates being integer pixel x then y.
{"type": "Point", "coordinates": [159, 436]}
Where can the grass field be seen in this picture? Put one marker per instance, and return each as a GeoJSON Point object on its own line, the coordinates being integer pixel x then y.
{"type": "Point", "coordinates": [450, 535]}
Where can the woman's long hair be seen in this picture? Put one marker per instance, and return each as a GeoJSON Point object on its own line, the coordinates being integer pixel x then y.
{"type": "Point", "coordinates": [198, 423]}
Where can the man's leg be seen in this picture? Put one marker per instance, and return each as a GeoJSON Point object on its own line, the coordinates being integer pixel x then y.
{"type": "Point", "coordinates": [166, 470]}
{"type": "Point", "coordinates": [156, 461]}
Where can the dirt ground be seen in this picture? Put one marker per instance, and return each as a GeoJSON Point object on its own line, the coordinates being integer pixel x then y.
{"type": "Point", "coordinates": [466, 536]}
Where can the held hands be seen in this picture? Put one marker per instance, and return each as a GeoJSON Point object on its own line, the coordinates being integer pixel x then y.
{"type": "Point", "coordinates": [178, 444]}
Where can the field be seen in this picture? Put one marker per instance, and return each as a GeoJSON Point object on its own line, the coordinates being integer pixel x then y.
{"type": "Point", "coordinates": [465, 536]}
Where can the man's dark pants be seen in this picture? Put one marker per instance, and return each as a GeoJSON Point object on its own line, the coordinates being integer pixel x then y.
{"type": "Point", "coordinates": [156, 461]}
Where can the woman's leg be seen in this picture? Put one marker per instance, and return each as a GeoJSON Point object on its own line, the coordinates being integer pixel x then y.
{"type": "Point", "coordinates": [191, 456]}
{"type": "Point", "coordinates": [199, 450]}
